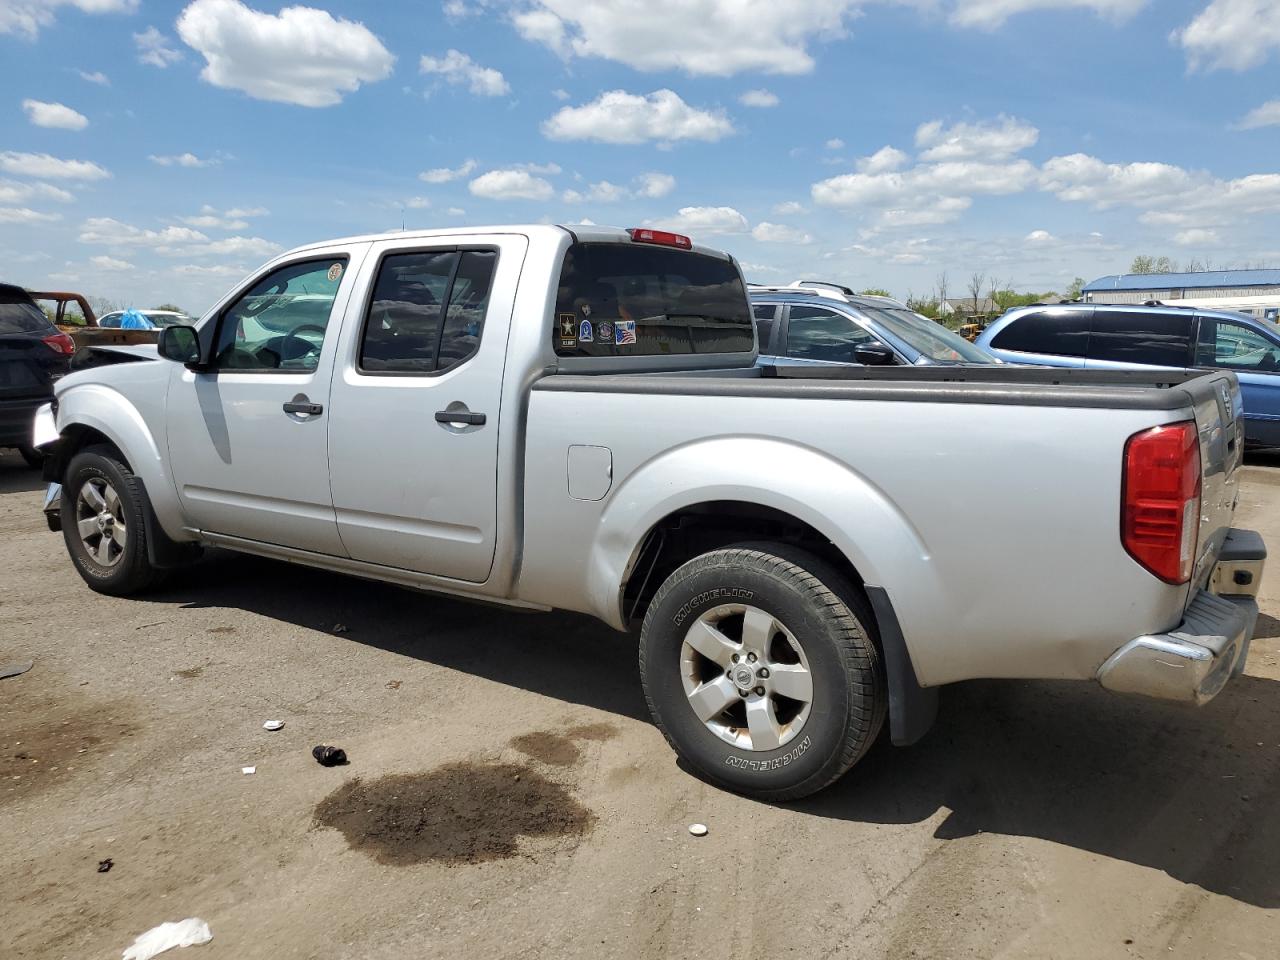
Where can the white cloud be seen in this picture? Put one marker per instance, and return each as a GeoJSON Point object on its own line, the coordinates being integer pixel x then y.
{"type": "Point", "coordinates": [105, 231]}
{"type": "Point", "coordinates": [789, 208]}
{"type": "Point", "coordinates": [445, 174]}
{"type": "Point", "coordinates": [456, 212]}
{"type": "Point", "coordinates": [238, 212]}
{"type": "Point", "coordinates": [51, 168]}
{"type": "Point", "coordinates": [26, 215]}
{"type": "Point", "coordinates": [883, 160]}
{"type": "Point", "coordinates": [699, 37]}
{"type": "Point", "coordinates": [27, 17]}
{"type": "Point", "coordinates": [212, 270]}
{"type": "Point", "coordinates": [183, 160]}
{"type": "Point", "coordinates": [974, 141]}
{"type": "Point", "coordinates": [767, 232]}
{"type": "Point", "coordinates": [234, 247]}
{"type": "Point", "coordinates": [758, 98]}
{"type": "Point", "coordinates": [602, 192]}
{"type": "Point", "coordinates": [154, 48]}
{"type": "Point", "coordinates": [56, 115]}
{"type": "Point", "coordinates": [98, 77]}
{"type": "Point", "coordinates": [417, 203]}
{"type": "Point", "coordinates": [110, 263]}
{"type": "Point", "coordinates": [1232, 34]}
{"type": "Point", "coordinates": [1267, 115]}
{"type": "Point", "coordinates": [1197, 238]}
{"type": "Point", "coordinates": [835, 143]}
{"type": "Point", "coordinates": [621, 117]}
{"type": "Point", "coordinates": [302, 55]}
{"type": "Point", "coordinates": [1039, 236]}
{"type": "Point", "coordinates": [989, 14]}
{"type": "Point", "coordinates": [712, 220]}
{"type": "Point", "coordinates": [655, 185]}
{"type": "Point", "coordinates": [511, 185]}
{"type": "Point", "coordinates": [560, 94]}
{"type": "Point", "coordinates": [11, 191]}
{"type": "Point", "coordinates": [210, 219]}
{"type": "Point", "coordinates": [456, 69]}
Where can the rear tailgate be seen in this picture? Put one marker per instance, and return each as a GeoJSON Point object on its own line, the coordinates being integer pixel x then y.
{"type": "Point", "coordinates": [1220, 423]}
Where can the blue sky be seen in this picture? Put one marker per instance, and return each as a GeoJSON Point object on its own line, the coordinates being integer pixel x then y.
{"type": "Point", "coordinates": [155, 151]}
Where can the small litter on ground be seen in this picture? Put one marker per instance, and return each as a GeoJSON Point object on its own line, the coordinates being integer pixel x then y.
{"type": "Point", "coordinates": [329, 756]}
{"type": "Point", "coordinates": [248, 770]}
{"type": "Point", "coordinates": [339, 628]}
{"type": "Point", "coordinates": [698, 829]}
{"type": "Point", "coordinates": [273, 725]}
{"type": "Point", "coordinates": [15, 669]}
{"type": "Point", "coordinates": [105, 865]}
{"type": "Point", "coordinates": [184, 933]}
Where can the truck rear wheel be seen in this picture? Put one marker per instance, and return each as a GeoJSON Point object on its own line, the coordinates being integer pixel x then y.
{"type": "Point", "coordinates": [759, 668]}
{"type": "Point", "coordinates": [104, 523]}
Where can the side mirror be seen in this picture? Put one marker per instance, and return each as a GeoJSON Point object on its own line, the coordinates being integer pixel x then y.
{"type": "Point", "coordinates": [874, 355]}
{"type": "Point", "coordinates": [179, 343]}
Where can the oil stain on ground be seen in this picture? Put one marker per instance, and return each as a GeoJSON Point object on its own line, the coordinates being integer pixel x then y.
{"type": "Point", "coordinates": [561, 750]}
{"type": "Point", "coordinates": [455, 814]}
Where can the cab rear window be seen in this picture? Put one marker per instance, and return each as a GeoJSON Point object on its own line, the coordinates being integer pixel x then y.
{"type": "Point", "coordinates": [631, 300]}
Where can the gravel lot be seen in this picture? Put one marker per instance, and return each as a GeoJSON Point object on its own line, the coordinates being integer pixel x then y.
{"type": "Point", "coordinates": [1036, 820]}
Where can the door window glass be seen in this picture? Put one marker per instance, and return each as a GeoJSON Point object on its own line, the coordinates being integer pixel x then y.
{"type": "Point", "coordinates": [1128, 336]}
{"type": "Point", "coordinates": [1235, 347]}
{"type": "Point", "coordinates": [427, 311]}
{"type": "Point", "coordinates": [817, 334]}
{"type": "Point", "coordinates": [1062, 333]}
{"type": "Point", "coordinates": [280, 323]}
{"type": "Point", "coordinates": [766, 315]}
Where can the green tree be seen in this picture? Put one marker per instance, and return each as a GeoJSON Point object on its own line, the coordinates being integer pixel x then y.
{"type": "Point", "coordinates": [876, 292]}
{"type": "Point", "coordinates": [171, 307]}
{"type": "Point", "coordinates": [1144, 264]}
{"type": "Point", "coordinates": [1076, 290]}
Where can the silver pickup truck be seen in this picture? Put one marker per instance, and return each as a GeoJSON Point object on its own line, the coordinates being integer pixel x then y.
{"type": "Point", "coordinates": [570, 417]}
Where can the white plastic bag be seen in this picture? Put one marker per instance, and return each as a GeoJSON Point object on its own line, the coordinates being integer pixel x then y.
{"type": "Point", "coordinates": [184, 933]}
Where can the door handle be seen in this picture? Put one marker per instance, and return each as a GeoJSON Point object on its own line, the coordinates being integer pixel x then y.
{"type": "Point", "coordinates": [300, 404]}
{"type": "Point", "coordinates": [461, 416]}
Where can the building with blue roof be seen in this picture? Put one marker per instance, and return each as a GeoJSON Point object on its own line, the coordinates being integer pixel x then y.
{"type": "Point", "coordinates": [1255, 292]}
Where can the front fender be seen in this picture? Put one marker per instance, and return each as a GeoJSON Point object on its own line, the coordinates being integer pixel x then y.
{"type": "Point", "coordinates": [111, 414]}
{"type": "Point", "coordinates": [861, 520]}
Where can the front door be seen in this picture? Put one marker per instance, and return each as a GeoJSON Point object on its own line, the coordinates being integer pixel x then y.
{"type": "Point", "coordinates": [247, 437]}
{"type": "Point", "coordinates": [417, 398]}
{"type": "Point", "coordinates": [1255, 359]}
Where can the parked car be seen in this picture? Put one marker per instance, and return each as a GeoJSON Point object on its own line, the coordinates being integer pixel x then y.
{"type": "Point", "coordinates": [157, 318]}
{"type": "Point", "coordinates": [73, 315]}
{"type": "Point", "coordinates": [33, 354]}
{"type": "Point", "coordinates": [572, 417]}
{"type": "Point", "coordinates": [1100, 336]}
{"type": "Point", "coordinates": [813, 322]}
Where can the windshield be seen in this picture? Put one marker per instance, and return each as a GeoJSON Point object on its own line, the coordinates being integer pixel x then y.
{"type": "Point", "coordinates": [931, 339]}
{"type": "Point", "coordinates": [20, 317]}
{"type": "Point", "coordinates": [630, 300]}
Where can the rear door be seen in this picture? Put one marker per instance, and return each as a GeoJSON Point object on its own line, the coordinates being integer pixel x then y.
{"type": "Point", "coordinates": [416, 404]}
{"type": "Point", "coordinates": [1122, 339]}
{"type": "Point", "coordinates": [766, 317]}
{"type": "Point", "coordinates": [1057, 338]}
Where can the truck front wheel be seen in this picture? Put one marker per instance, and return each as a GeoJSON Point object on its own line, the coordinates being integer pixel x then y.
{"type": "Point", "coordinates": [104, 524]}
{"type": "Point", "coordinates": [759, 668]}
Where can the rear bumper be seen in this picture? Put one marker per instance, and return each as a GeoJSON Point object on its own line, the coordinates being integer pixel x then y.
{"type": "Point", "coordinates": [1194, 661]}
{"type": "Point", "coordinates": [16, 419]}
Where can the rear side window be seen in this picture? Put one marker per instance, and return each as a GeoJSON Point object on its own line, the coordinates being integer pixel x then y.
{"type": "Point", "coordinates": [19, 316]}
{"type": "Point", "coordinates": [766, 317]}
{"type": "Point", "coordinates": [817, 334]}
{"type": "Point", "coordinates": [427, 311]}
{"type": "Point", "coordinates": [1127, 336]}
{"type": "Point", "coordinates": [634, 300]}
{"type": "Point", "coordinates": [1063, 333]}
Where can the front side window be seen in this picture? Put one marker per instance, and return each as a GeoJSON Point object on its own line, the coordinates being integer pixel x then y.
{"type": "Point", "coordinates": [930, 339]}
{"type": "Point", "coordinates": [427, 311]}
{"type": "Point", "coordinates": [1062, 333]}
{"type": "Point", "coordinates": [817, 334]}
{"type": "Point", "coordinates": [1128, 336]}
{"type": "Point", "coordinates": [636, 300]}
{"type": "Point", "coordinates": [1234, 346]}
{"type": "Point", "coordinates": [280, 323]}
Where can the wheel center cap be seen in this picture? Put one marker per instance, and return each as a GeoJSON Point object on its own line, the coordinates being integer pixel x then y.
{"type": "Point", "coordinates": [744, 677]}
{"type": "Point", "coordinates": [104, 520]}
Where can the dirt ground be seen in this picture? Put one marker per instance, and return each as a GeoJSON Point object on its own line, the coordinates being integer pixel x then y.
{"type": "Point", "coordinates": [506, 796]}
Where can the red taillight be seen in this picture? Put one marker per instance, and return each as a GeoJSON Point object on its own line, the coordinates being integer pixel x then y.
{"type": "Point", "coordinates": [660, 237]}
{"type": "Point", "coordinates": [60, 343]}
{"type": "Point", "coordinates": [1161, 501]}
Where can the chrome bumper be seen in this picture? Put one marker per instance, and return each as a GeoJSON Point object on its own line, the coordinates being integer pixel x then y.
{"type": "Point", "coordinates": [53, 506]}
{"type": "Point", "coordinates": [1193, 662]}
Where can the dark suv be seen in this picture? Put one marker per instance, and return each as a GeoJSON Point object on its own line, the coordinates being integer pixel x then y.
{"type": "Point", "coordinates": [33, 354]}
{"type": "Point", "coordinates": [1119, 337]}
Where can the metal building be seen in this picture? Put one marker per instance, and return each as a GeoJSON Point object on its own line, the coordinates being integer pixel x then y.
{"type": "Point", "coordinates": [1255, 292]}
